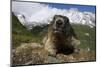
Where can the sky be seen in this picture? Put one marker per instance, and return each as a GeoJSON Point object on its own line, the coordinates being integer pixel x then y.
{"type": "Point", "coordinates": [81, 8]}
{"type": "Point", "coordinates": [44, 12]}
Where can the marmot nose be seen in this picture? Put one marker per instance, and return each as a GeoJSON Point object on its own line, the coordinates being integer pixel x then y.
{"type": "Point", "coordinates": [59, 22]}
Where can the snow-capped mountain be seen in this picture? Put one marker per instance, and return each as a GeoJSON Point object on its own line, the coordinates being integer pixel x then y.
{"type": "Point", "coordinates": [33, 14]}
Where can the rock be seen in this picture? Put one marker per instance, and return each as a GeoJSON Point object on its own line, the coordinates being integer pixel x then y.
{"type": "Point", "coordinates": [87, 34]}
{"type": "Point", "coordinates": [53, 60]}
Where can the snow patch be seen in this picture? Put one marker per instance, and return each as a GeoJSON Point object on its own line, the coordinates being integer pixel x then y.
{"type": "Point", "coordinates": [33, 14]}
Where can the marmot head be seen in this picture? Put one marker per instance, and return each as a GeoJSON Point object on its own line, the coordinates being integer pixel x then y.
{"type": "Point", "coordinates": [60, 25]}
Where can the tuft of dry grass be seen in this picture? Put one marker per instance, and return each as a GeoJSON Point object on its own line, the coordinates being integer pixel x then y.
{"type": "Point", "coordinates": [29, 53]}
{"type": "Point", "coordinates": [34, 53]}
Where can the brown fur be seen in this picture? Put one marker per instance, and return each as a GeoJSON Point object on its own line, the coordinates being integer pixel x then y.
{"type": "Point", "coordinates": [63, 42]}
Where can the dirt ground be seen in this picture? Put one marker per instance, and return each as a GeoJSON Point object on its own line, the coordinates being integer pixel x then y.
{"type": "Point", "coordinates": [33, 53]}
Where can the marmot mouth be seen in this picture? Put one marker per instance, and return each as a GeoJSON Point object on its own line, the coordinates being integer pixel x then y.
{"type": "Point", "coordinates": [57, 32]}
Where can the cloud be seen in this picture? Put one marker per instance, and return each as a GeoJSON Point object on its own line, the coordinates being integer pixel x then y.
{"type": "Point", "coordinates": [36, 14]}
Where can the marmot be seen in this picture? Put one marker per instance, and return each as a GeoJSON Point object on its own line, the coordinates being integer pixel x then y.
{"type": "Point", "coordinates": [61, 37]}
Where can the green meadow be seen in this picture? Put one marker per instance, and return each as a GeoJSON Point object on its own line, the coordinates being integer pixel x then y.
{"type": "Point", "coordinates": [20, 34]}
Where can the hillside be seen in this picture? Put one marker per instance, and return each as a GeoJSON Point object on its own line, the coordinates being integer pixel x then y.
{"type": "Point", "coordinates": [36, 34]}
{"type": "Point", "coordinates": [28, 49]}
{"type": "Point", "coordinates": [19, 33]}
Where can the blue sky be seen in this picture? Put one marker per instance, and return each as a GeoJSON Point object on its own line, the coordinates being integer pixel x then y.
{"type": "Point", "coordinates": [68, 6]}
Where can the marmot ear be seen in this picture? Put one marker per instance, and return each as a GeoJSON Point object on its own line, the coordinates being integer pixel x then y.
{"type": "Point", "coordinates": [55, 17]}
{"type": "Point", "coordinates": [66, 19]}
{"type": "Point", "coordinates": [73, 34]}
{"type": "Point", "coordinates": [53, 20]}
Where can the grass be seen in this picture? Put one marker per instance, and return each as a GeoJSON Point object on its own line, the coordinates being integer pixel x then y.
{"type": "Point", "coordinates": [21, 35]}
{"type": "Point", "coordinates": [87, 41]}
